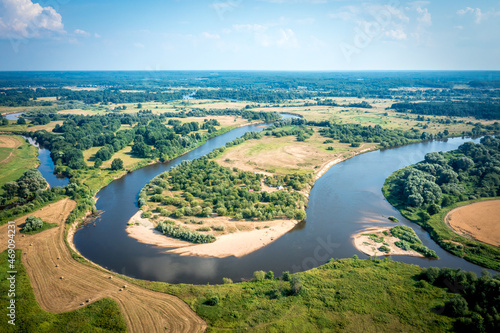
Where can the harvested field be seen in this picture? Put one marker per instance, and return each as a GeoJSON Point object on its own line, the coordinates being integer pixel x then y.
{"type": "Point", "coordinates": [62, 284]}
{"type": "Point", "coordinates": [9, 142]}
{"type": "Point", "coordinates": [480, 220]}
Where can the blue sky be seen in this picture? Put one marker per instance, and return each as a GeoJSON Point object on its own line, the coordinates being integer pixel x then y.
{"type": "Point", "coordinates": [249, 35]}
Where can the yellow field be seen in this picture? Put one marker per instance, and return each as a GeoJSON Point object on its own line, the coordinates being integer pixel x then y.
{"type": "Point", "coordinates": [80, 112]}
{"type": "Point", "coordinates": [223, 120]}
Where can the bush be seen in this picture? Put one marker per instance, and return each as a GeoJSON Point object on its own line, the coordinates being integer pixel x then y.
{"type": "Point", "coordinates": [212, 300]}
{"type": "Point", "coordinates": [384, 248]}
{"type": "Point", "coordinates": [424, 250]}
{"type": "Point", "coordinates": [403, 245]}
{"type": "Point", "coordinates": [218, 228]}
{"type": "Point", "coordinates": [270, 275]}
{"type": "Point", "coordinates": [296, 286]}
{"type": "Point", "coordinates": [286, 276]}
{"type": "Point", "coordinates": [456, 307]}
{"type": "Point", "coordinates": [227, 281]}
{"type": "Point", "coordinates": [32, 223]}
{"type": "Point", "coordinates": [259, 275]}
{"type": "Point", "coordinates": [184, 234]}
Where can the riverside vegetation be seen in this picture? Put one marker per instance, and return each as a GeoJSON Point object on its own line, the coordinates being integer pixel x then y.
{"type": "Point", "coordinates": [426, 191]}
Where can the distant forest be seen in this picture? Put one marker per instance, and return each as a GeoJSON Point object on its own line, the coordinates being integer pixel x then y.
{"type": "Point", "coordinates": [259, 87]}
{"type": "Point", "coordinates": [459, 109]}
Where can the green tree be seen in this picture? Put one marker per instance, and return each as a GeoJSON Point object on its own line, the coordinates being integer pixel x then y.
{"type": "Point", "coordinates": [21, 121]}
{"type": "Point", "coordinates": [259, 275]}
{"type": "Point", "coordinates": [32, 223]}
{"type": "Point", "coordinates": [97, 163]}
{"type": "Point", "coordinates": [117, 164]}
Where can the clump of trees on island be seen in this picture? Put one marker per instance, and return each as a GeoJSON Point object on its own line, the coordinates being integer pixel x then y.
{"type": "Point", "coordinates": [184, 234]}
{"type": "Point", "coordinates": [409, 240]}
{"type": "Point", "coordinates": [203, 187]}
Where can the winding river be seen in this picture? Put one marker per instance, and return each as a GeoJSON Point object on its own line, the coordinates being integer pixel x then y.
{"type": "Point", "coordinates": [47, 166]}
{"type": "Point", "coordinates": [345, 200]}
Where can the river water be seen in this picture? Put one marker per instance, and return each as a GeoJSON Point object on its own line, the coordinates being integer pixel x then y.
{"type": "Point", "coordinates": [345, 200]}
{"type": "Point", "coordinates": [47, 166]}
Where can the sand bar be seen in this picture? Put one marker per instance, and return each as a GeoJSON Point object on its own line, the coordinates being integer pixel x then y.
{"type": "Point", "coordinates": [364, 244]}
{"type": "Point", "coordinates": [238, 244]}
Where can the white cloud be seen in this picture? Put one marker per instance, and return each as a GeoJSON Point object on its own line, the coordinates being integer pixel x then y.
{"type": "Point", "coordinates": [287, 38]}
{"type": "Point", "coordinates": [347, 13]}
{"type": "Point", "coordinates": [295, 1]}
{"type": "Point", "coordinates": [397, 34]}
{"type": "Point", "coordinates": [25, 19]}
{"type": "Point", "coordinates": [96, 35]}
{"type": "Point", "coordinates": [424, 17]}
{"type": "Point", "coordinates": [478, 14]}
{"type": "Point", "coordinates": [208, 35]}
{"type": "Point", "coordinates": [81, 33]}
{"type": "Point", "coordinates": [139, 45]}
{"type": "Point", "coordinates": [250, 27]}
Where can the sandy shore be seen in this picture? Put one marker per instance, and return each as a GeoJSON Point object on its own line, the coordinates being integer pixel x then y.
{"type": "Point", "coordinates": [364, 244]}
{"type": "Point", "coordinates": [325, 167]}
{"type": "Point", "coordinates": [238, 244]}
{"type": "Point", "coordinates": [144, 231]}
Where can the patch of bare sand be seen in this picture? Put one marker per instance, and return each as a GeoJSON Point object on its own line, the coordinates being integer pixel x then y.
{"type": "Point", "coordinates": [238, 244]}
{"type": "Point", "coordinates": [144, 231]}
{"type": "Point", "coordinates": [480, 220]}
{"type": "Point", "coordinates": [238, 239]}
{"type": "Point", "coordinates": [364, 244]}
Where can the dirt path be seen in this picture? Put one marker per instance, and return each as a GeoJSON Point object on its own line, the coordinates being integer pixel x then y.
{"type": "Point", "coordinates": [62, 284]}
{"type": "Point", "coordinates": [480, 220]}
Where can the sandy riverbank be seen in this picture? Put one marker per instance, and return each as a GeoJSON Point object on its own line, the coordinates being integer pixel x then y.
{"type": "Point", "coordinates": [238, 243]}
{"type": "Point", "coordinates": [364, 244]}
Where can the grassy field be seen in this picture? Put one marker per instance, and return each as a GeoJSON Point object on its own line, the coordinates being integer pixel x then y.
{"type": "Point", "coordinates": [100, 316]}
{"type": "Point", "coordinates": [348, 295]}
{"type": "Point", "coordinates": [16, 156]}
{"type": "Point", "coordinates": [378, 115]}
{"type": "Point", "coordinates": [129, 161]}
{"type": "Point", "coordinates": [286, 154]}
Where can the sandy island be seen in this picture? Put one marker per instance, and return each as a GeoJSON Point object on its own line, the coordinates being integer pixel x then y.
{"type": "Point", "coordinates": [364, 244]}
{"type": "Point", "coordinates": [238, 243]}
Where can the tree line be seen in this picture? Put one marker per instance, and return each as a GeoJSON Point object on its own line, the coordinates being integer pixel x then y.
{"type": "Point", "coordinates": [479, 110]}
